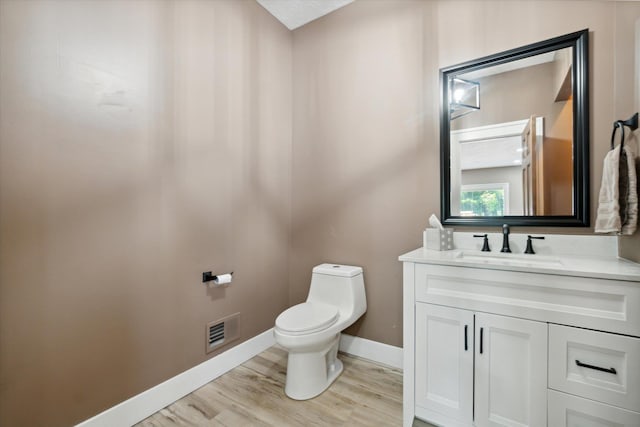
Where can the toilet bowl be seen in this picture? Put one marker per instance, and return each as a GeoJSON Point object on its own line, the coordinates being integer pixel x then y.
{"type": "Point", "coordinates": [310, 331]}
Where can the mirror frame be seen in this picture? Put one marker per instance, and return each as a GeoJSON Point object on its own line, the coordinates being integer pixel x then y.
{"type": "Point", "coordinates": [579, 41]}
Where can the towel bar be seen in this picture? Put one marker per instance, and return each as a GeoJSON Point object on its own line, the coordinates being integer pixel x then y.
{"type": "Point", "coordinates": [631, 123]}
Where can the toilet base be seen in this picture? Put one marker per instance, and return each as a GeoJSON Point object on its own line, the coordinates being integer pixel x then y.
{"type": "Point", "coordinates": [311, 373]}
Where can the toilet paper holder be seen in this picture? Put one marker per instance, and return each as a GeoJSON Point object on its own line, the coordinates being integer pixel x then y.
{"type": "Point", "coordinates": [208, 276]}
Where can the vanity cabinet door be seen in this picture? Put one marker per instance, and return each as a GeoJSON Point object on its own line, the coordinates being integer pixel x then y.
{"type": "Point", "coordinates": [444, 362]}
{"type": "Point", "coordinates": [566, 410]}
{"type": "Point", "coordinates": [511, 371]}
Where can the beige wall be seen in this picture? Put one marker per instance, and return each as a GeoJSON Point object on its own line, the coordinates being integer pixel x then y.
{"type": "Point", "coordinates": [627, 87]}
{"type": "Point", "coordinates": [141, 143]}
{"type": "Point", "coordinates": [365, 165]}
{"type": "Point", "coordinates": [365, 127]}
{"type": "Point", "coordinates": [144, 142]}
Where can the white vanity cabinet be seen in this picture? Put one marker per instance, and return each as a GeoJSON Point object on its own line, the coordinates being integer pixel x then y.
{"type": "Point", "coordinates": [510, 346]}
{"type": "Point", "coordinates": [444, 369]}
{"type": "Point", "coordinates": [509, 390]}
{"type": "Point", "coordinates": [502, 356]}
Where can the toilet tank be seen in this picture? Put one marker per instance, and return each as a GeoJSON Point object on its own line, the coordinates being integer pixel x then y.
{"type": "Point", "coordinates": [339, 285]}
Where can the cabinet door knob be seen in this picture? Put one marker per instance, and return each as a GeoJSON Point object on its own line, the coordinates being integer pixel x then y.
{"type": "Point", "coordinates": [597, 368]}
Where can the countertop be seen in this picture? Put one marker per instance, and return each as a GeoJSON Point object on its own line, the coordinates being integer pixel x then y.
{"type": "Point", "coordinates": [581, 266]}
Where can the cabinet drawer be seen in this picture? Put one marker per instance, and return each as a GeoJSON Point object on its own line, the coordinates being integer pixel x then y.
{"type": "Point", "coordinates": [597, 365]}
{"type": "Point", "coordinates": [609, 305]}
{"type": "Point", "coordinates": [572, 411]}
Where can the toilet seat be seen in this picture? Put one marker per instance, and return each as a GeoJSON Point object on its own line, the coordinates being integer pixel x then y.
{"type": "Point", "coordinates": [307, 318]}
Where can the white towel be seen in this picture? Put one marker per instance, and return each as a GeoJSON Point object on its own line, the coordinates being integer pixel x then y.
{"type": "Point", "coordinates": [614, 216]}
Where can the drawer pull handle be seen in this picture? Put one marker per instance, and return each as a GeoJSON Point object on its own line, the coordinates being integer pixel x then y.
{"type": "Point", "coordinates": [466, 343]}
{"type": "Point", "coordinates": [597, 368]}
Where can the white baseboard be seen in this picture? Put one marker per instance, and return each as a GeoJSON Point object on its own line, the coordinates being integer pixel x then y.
{"type": "Point", "coordinates": [375, 351]}
{"type": "Point", "coordinates": [151, 401]}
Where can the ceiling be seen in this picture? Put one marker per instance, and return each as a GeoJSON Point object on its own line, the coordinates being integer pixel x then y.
{"type": "Point", "coordinates": [296, 13]}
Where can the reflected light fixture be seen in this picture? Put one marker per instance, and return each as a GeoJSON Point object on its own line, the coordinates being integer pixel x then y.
{"type": "Point", "coordinates": [464, 97]}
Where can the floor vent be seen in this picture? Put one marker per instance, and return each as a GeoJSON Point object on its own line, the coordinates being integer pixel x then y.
{"type": "Point", "coordinates": [221, 332]}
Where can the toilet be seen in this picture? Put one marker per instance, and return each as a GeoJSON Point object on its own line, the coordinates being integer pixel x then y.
{"type": "Point", "coordinates": [310, 331]}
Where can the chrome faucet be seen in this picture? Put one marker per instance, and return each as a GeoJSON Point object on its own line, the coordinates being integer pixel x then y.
{"type": "Point", "coordinates": [505, 238]}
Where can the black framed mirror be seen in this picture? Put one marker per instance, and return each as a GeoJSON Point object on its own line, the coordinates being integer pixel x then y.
{"type": "Point", "coordinates": [514, 136]}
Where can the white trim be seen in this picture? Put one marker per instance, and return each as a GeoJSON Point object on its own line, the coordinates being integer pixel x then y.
{"type": "Point", "coordinates": [496, 130]}
{"type": "Point", "coordinates": [151, 401]}
{"type": "Point", "coordinates": [147, 403]}
{"type": "Point", "coordinates": [375, 351]}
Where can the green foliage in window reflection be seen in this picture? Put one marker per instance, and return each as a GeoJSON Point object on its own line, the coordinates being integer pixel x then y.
{"type": "Point", "coordinates": [482, 203]}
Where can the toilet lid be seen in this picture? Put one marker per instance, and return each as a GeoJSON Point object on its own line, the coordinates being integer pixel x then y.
{"type": "Point", "coordinates": [307, 317]}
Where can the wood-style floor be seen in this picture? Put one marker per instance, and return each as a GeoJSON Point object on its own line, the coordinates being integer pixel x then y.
{"type": "Point", "coordinates": [366, 394]}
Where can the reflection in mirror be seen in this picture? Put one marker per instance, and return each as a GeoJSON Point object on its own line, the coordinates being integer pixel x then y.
{"type": "Point", "coordinates": [464, 96]}
{"type": "Point", "coordinates": [506, 148]}
{"type": "Point", "coordinates": [511, 130]}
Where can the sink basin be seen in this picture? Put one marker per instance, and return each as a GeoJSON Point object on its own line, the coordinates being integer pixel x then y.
{"type": "Point", "coordinates": [509, 259]}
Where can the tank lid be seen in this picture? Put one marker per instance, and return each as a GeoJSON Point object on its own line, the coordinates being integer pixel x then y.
{"type": "Point", "coordinates": [337, 270]}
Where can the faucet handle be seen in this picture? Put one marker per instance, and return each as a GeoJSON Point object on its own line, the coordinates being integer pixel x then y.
{"type": "Point", "coordinates": [529, 249]}
{"type": "Point", "coordinates": [485, 244]}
